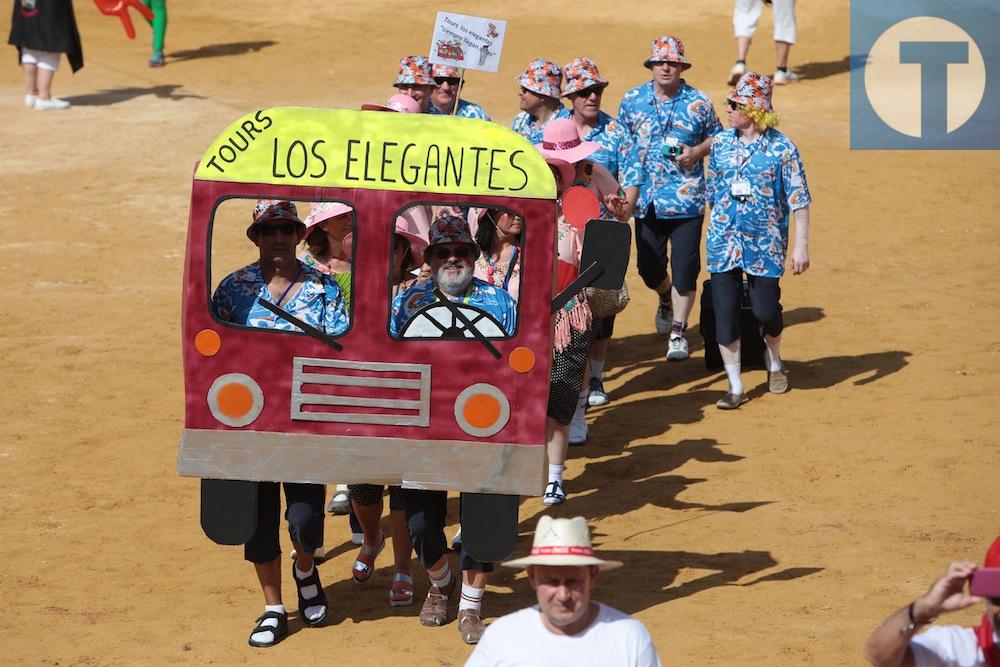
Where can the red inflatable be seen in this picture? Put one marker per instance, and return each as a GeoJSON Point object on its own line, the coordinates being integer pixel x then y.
{"type": "Point", "coordinates": [119, 8]}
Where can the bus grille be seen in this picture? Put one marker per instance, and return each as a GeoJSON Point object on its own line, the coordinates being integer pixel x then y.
{"type": "Point", "coordinates": [361, 392]}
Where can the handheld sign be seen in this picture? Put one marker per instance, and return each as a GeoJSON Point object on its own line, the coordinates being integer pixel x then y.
{"type": "Point", "coordinates": [119, 8]}
{"type": "Point", "coordinates": [579, 206]}
{"type": "Point", "coordinates": [469, 42]}
{"type": "Point", "coordinates": [606, 247]}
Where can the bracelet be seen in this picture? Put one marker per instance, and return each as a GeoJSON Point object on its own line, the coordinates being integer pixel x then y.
{"type": "Point", "coordinates": [914, 623]}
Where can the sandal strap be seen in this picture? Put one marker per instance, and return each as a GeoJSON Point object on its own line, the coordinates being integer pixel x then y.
{"type": "Point", "coordinates": [402, 576]}
{"type": "Point", "coordinates": [373, 550]}
{"type": "Point", "coordinates": [555, 492]}
{"type": "Point", "coordinates": [277, 615]}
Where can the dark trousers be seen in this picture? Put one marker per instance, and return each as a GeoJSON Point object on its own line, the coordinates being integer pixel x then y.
{"type": "Point", "coordinates": [683, 235]}
{"type": "Point", "coordinates": [765, 302]}
{"type": "Point", "coordinates": [426, 512]}
{"type": "Point", "coordinates": [304, 513]}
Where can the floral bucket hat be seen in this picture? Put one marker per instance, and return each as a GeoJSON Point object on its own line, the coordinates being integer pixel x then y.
{"type": "Point", "coordinates": [414, 71]}
{"type": "Point", "coordinates": [667, 49]}
{"type": "Point", "coordinates": [269, 210]}
{"type": "Point", "coordinates": [542, 77]}
{"type": "Point", "coordinates": [753, 90]}
{"type": "Point", "coordinates": [450, 229]}
{"type": "Point", "coordinates": [445, 72]}
{"type": "Point", "coordinates": [581, 74]}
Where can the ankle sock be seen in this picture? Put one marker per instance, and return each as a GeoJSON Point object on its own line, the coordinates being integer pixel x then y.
{"type": "Point", "coordinates": [556, 472]}
{"type": "Point", "coordinates": [472, 598]}
{"type": "Point", "coordinates": [440, 578]}
{"type": "Point", "coordinates": [265, 635]}
{"type": "Point", "coordinates": [783, 69]}
{"type": "Point", "coordinates": [597, 369]}
{"type": "Point", "coordinates": [312, 612]}
{"type": "Point", "coordinates": [772, 355]}
{"type": "Point", "coordinates": [677, 329]}
{"type": "Point", "coordinates": [741, 62]}
{"type": "Point", "coordinates": [735, 381]}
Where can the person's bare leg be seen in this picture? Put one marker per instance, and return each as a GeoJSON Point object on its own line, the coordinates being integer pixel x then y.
{"type": "Point", "coordinates": [303, 561]}
{"type": "Point", "coordinates": [557, 441]}
{"type": "Point", "coordinates": [682, 302]}
{"type": "Point", "coordinates": [269, 576]}
{"type": "Point", "coordinates": [45, 83]}
{"type": "Point", "coordinates": [402, 545]}
{"type": "Point", "coordinates": [742, 48]}
{"type": "Point", "coordinates": [30, 79]}
{"type": "Point", "coordinates": [369, 517]}
{"type": "Point", "coordinates": [599, 350]}
{"type": "Point", "coordinates": [782, 49]}
{"type": "Point", "coordinates": [663, 289]}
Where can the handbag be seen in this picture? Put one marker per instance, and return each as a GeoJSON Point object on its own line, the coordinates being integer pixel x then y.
{"type": "Point", "coordinates": [607, 302]}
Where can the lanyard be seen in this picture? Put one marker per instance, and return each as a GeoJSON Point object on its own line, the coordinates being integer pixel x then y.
{"type": "Point", "coordinates": [290, 285]}
{"type": "Point", "coordinates": [465, 299]}
{"type": "Point", "coordinates": [656, 106]}
{"type": "Point", "coordinates": [740, 160]}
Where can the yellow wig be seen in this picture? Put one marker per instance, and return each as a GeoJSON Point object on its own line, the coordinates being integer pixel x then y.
{"type": "Point", "coordinates": [762, 119]}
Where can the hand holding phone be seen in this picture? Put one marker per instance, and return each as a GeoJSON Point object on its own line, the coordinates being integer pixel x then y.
{"type": "Point", "coordinates": [984, 582]}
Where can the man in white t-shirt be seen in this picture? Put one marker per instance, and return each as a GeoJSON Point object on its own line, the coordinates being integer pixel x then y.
{"type": "Point", "coordinates": [893, 644]}
{"type": "Point", "coordinates": [566, 627]}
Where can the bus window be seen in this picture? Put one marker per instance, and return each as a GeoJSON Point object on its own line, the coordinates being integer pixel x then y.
{"type": "Point", "coordinates": [455, 272]}
{"type": "Point", "coordinates": [275, 258]}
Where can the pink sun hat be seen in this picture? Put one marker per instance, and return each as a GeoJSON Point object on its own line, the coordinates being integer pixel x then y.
{"type": "Point", "coordinates": [561, 140]}
{"type": "Point", "coordinates": [398, 102]}
{"type": "Point", "coordinates": [417, 243]}
{"type": "Point", "coordinates": [753, 90]}
{"type": "Point", "coordinates": [323, 211]}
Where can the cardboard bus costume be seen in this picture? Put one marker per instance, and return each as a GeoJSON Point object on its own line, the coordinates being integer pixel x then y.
{"type": "Point", "coordinates": [461, 413]}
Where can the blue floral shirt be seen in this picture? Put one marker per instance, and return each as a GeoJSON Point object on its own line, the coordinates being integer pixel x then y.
{"type": "Point", "coordinates": [615, 154]}
{"type": "Point", "coordinates": [465, 110]}
{"type": "Point", "coordinates": [318, 301]}
{"type": "Point", "coordinates": [526, 125]}
{"type": "Point", "coordinates": [753, 234]}
{"type": "Point", "coordinates": [690, 118]}
{"type": "Point", "coordinates": [494, 300]}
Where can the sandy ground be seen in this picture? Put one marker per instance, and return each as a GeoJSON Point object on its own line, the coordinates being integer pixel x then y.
{"type": "Point", "coordinates": [780, 534]}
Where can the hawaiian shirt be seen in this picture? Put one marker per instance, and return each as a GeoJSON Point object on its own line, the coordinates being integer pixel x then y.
{"type": "Point", "coordinates": [690, 118]}
{"type": "Point", "coordinates": [507, 278]}
{"type": "Point", "coordinates": [615, 154]}
{"type": "Point", "coordinates": [465, 110]}
{"type": "Point", "coordinates": [526, 125]}
{"type": "Point", "coordinates": [480, 294]}
{"type": "Point", "coordinates": [752, 234]}
{"type": "Point", "coordinates": [318, 301]}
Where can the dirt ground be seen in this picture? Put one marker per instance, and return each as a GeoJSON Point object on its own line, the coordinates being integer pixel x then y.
{"type": "Point", "coordinates": [780, 534]}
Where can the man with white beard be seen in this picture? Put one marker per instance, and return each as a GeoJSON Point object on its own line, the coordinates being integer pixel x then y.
{"type": "Point", "coordinates": [451, 254]}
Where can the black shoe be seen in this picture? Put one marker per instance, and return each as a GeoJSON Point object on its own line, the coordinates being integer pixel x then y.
{"type": "Point", "coordinates": [278, 632]}
{"type": "Point", "coordinates": [318, 600]}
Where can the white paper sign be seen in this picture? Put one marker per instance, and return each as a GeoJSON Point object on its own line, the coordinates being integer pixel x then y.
{"type": "Point", "coordinates": [470, 42]}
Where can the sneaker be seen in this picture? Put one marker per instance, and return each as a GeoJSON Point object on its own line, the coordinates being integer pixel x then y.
{"type": "Point", "coordinates": [435, 609]}
{"type": "Point", "coordinates": [664, 318]}
{"type": "Point", "coordinates": [737, 70]}
{"type": "Point", "coordinates": [597, 394]}
{"type": "Point", "coordinates": [554, 494]}
{"type": "Point", "coordinates": [677, 349]}
{"type": "Point", "coordinates": [788, 76]}
{"type": "Point", "coordinates": [470, 626]}
{"type": "Point", "coordinates": [29, 101]}
{"type": "Point", "coordinates": [731, 401]}
{"type": "Point", "coordinates": [578, 428]}
{"type": "Point", "coordinates": [156, 60]}
{"type": "Point", "coordinates": [53, 103]}
{"type": "Point", "coordinates": [777, 381]}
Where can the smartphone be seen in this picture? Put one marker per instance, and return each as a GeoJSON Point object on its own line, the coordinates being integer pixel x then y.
{"type": "Point", "coordinates": [985, 582]}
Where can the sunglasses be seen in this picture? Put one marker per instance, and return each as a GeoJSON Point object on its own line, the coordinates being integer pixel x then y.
{"type": "Point", "coordinates": [593, 90]}
{"type": "Point", "coordinates": [461, 252]}
{"type": "Point", "coordinates": [734, 106]}
{"type": "Point", "coordinates": [286, 228]}
{"type": "Point", "coordinates": [451, 81]}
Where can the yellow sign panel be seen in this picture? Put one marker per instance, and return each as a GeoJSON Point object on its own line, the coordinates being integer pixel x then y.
{"type": "Point", "coordinates": [377, 150]}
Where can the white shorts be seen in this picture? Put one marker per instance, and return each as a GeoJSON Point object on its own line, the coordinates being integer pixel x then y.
{"type": "Point", "coordinates": [746, 14]}
{"type": "Point", "coordinates": [43, 59]}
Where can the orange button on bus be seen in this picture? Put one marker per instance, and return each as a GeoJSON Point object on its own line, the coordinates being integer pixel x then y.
{"type": "Point", "coordinates": [235, 400]}
{"type": "Point", "coordinates": [521, 359]}
{"type": "Point", "coordinates": [207, 342]}
{"type": "Point", "coordinates": [481, 410]}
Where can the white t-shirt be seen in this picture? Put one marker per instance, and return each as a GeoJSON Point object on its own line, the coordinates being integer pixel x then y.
{"type": "Point", "coordinates": [947, 646]}
{"type": "Point", "coordinates": [520, 639]}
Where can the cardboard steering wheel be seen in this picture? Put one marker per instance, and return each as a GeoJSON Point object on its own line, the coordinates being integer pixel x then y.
{"type": "Point", "coordinates": [119, 8]}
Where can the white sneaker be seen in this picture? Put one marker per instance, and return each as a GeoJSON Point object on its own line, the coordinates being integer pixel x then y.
{"type": "Point", "coordinates": [29, 101]}
{"type": "Point", "coordinates": [737, 70]}
{"type": "Point", "coordinates": [677, 349]}
{"type": "Point", "coordinates": [54, 103]}
{"type": "Point", "coordinates": [578, 428]}
{"type": "Point", "coordinates": [781, 78]}
{"type": "Point", "coordinates": [664, 318]}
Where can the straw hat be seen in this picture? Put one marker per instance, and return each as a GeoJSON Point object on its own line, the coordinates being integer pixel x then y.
{"type": "Point", "coordinates": [562, 542]}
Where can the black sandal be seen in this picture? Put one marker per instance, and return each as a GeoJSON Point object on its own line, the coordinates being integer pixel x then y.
{"type": "Point", "coordinates": [317, 601]}
{"type": "Point", "coordinates": [278, 632]}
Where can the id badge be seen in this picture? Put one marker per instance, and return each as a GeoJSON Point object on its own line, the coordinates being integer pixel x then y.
{"type": "Point", "coordinates": [740, 189]}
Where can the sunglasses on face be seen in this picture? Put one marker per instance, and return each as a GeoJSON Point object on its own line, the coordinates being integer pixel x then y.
{"type": "Point", "coordinates": [734, 106]}
{"type": "Point", "coordinates": [451, 81]}
{"type": "Point", "coordinates": [461, 252]}
{"type": "Point", "coordinates": [285, 228]}
{"type": "Point", "coordinates": [587, 92]}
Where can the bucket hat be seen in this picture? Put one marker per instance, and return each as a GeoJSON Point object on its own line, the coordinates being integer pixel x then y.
{"type": "Point", "coordinates": [450, 229]}
{"type": "Point", "coordinates": [667, 49]}
{"type": "Point", "coordinates": [753, 89]}
{"type": "Point", "coordinates": [581, 74]}
{"type": "Point", "coordinates": [269, 210]}
{"type": "Point", "coordinates": [542, 77]}
{"type": "Point", "coordinates": [414, 71]}
{"type": "Point", "coordinates": [562, 542]}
